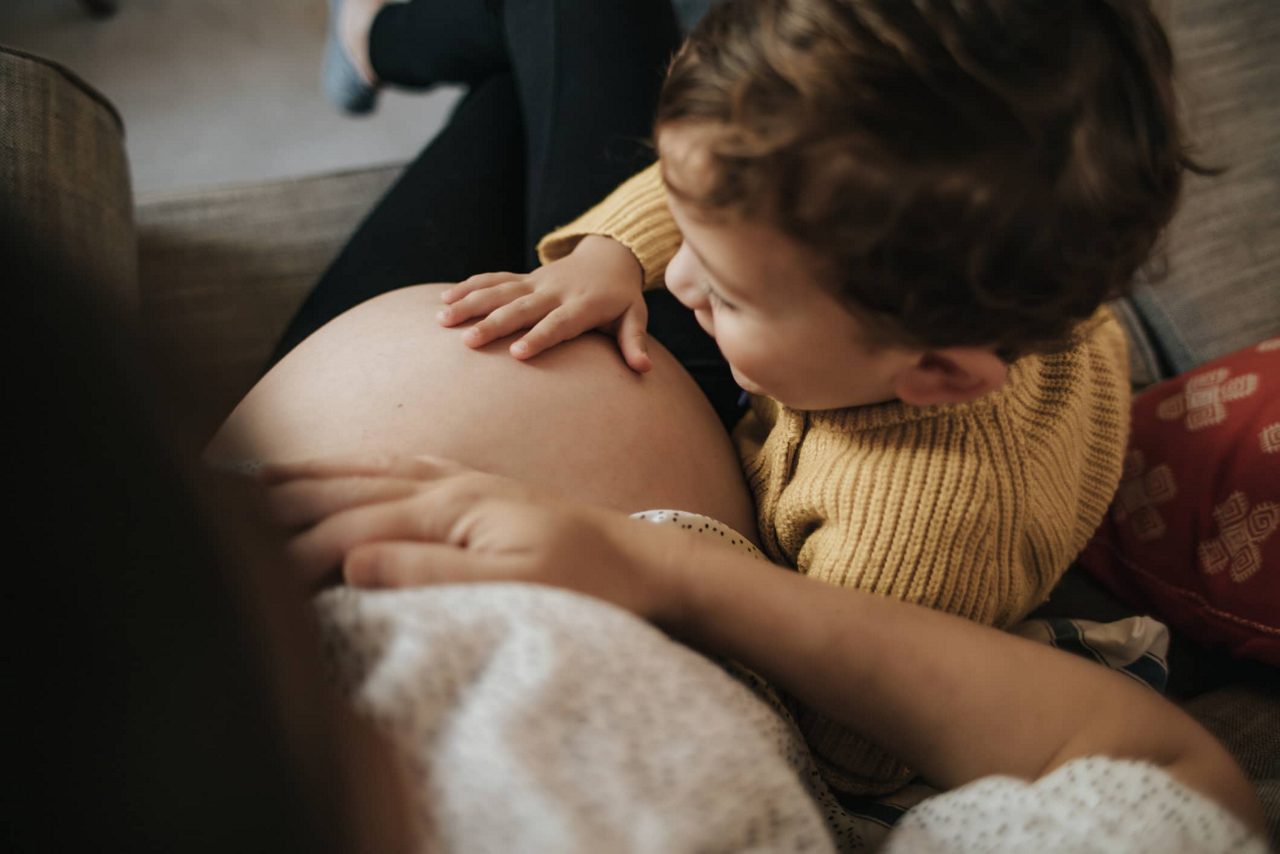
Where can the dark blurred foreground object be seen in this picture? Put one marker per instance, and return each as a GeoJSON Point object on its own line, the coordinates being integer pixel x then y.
{"type": "Point", "coordinates": [100, 8]}
{"type": "Point", "coordinates": [166, 683]}
{"type": "Point", "coordinates": [168, 689]}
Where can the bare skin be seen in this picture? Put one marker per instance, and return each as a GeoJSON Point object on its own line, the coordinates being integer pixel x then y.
{"type": "Point", "coordinates": [385, 378]}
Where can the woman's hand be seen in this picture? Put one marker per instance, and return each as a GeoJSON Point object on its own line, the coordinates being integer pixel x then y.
{"type": "Point", "coordinates": [599, 285]}
{"type": "Point", "coordinates": [408, 521]}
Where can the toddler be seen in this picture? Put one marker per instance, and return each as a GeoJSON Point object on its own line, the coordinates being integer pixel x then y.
{"type": "Point", "coordinates": [900, 222]}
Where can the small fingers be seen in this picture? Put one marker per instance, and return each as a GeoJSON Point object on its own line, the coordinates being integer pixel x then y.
{"type": "Point", "coordinates": [520, 314]}
{"type": "Point", "coordinates": [560, 325]}
{"type": "Point", "coordinates": [633, 341]}
{"type": "Point", "coordinates": [475, 283]}
{"type": "Point", "coordinates": [483, 301]}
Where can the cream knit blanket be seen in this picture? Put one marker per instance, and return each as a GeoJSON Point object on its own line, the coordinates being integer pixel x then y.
{"type": "Point", "coordinates": [534, 719]}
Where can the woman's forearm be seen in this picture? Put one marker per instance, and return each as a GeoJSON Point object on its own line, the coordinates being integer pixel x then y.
{"type": "Point", "coordinates": [956, 700]}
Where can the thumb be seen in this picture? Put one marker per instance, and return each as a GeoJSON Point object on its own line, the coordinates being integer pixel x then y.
{"type": "Point", "coordinates": [416, 564]}
{"type": "Point", "coordinates": [632, 339]}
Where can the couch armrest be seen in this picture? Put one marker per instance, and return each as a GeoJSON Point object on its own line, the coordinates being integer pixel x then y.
{"type": "Point", "coordinates": [221, 272]}
{"type": "Point", "coordinates": [64, 178]}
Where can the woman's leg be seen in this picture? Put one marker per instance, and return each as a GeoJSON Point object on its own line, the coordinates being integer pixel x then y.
{"type": "Point", "coordinates": [455, 211]}
{"type": "Point", "coordinates": [424, 43]}
{"type": "Point", "coordinates": [575, 420]}
{"type": "Point", "coordinates": [588, 74]}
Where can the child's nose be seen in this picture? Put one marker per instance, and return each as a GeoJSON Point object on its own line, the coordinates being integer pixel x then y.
{"type": "Point", "coordinates": [682, 280]}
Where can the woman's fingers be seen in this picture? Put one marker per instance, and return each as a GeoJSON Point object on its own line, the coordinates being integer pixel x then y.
{"type": "Point", "coordinates": [411, 564]}
{"type": "Point", "coordinates": [339, 504]}
{"type": "Point", "coordinates": [303, 502]}
{"type": "Point", "coordinates": [299, 495]}
{"type": "Point", "coordinates": [633, 340]}
{"type": "Point", "coordinates": [475, 283]}
{"type": "Point", "coordinates": [325, 547]}
{"type": "Point", "coordinates": [483, 301]}
{"type": "Point", "coordinates": [436, 512]}
{"type": "Point", "coordinates": [422, 467]}
{"type": "Point", "coordinates": [520, 314]}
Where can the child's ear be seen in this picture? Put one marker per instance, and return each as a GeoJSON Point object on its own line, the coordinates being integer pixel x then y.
{"type": "Point", "coordinates": [953, 375]}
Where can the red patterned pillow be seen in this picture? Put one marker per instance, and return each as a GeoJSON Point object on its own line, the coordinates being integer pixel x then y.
{"type": "Point", "coordinates": [1194, 532]}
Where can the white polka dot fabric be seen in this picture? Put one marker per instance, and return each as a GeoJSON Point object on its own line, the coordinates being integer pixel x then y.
{"type": "Point", "coordinates": [699, 524]}
{"type": "Point", "coordinates": [1094, 804]}
{"type": "Point", "coordinates": [534, 719]}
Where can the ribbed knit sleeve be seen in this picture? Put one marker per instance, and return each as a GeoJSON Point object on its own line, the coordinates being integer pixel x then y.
{"type": "Point", "coordinates": [635, 215]}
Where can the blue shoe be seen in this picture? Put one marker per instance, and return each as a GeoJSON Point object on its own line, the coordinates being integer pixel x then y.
{"type": "Point", "coordinates": [341, 81]}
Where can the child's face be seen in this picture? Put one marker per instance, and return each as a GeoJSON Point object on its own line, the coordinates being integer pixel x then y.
{"type": "Point", "coordinates": [759, 294]}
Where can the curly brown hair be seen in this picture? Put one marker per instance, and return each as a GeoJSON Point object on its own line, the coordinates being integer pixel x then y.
{"type": "Point", "coordinates": [975, 172]}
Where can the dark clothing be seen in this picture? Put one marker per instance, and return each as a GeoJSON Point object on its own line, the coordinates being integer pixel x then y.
{"type": "Point", "coordinates": [560, 110]}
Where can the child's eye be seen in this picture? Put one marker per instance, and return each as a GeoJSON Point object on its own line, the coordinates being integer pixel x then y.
{"type": "Point", "coordinates": [714, 296]}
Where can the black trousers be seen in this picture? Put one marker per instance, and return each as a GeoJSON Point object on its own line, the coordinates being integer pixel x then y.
{"type": "Point", "coordinates": [559, 112]}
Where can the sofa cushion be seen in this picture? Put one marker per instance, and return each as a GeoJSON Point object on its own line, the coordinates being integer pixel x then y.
{"type": "Point", "coordinates": [222, 271]}
{"type": "Point", "coordinates": [1194, 532]}
{"type": "Point", "coordinates": [1243, 717]}
{"type": "Point", "coordinates": [64, 178]}
{"type": "Point", "coordinates": [1222, 288]}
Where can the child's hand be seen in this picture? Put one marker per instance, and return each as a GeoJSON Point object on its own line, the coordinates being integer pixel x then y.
{"type": "Point", "coordinates": [599, 285]}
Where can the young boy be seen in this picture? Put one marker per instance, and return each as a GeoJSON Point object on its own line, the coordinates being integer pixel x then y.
{"type": "Point", "coordinates": [899, 221]}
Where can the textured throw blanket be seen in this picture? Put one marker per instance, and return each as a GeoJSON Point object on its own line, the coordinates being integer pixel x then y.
{"type": "Point", "coordinates": [534, 719]}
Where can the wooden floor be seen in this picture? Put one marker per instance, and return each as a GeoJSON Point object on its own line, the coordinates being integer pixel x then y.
{"type": "Point", "coordinates": [220, 91]}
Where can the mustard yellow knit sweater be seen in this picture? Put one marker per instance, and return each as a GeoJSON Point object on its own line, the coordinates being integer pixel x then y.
{"type": "Point", "coordinates": [975, 509]}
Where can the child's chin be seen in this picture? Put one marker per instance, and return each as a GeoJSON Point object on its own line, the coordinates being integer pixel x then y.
{"type": "Point", "coordinates": [745, 383]}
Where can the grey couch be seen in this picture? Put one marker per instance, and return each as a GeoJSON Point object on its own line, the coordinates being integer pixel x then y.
{"type": "Point", "coordinates": [212, 276]}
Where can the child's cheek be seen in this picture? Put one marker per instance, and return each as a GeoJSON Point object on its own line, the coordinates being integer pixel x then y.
{"type": "Point", "coordinates": [737, 347]}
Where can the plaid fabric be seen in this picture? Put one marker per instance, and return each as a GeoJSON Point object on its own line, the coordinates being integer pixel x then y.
{"type": "Point", "coordinates": [64, 179]}
{"type": "Point", "coordinates": [1244, 717]}
{"type": "Point", "coordinates": [1136, 647]}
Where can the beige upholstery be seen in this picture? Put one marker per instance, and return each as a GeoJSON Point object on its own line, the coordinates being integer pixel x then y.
{"type": "Point", "coordinates": [222, 271]}
{"type": "Point", "coordinates": [1246, 718]}
{"type": "Point", "coordinates": [64, 178]}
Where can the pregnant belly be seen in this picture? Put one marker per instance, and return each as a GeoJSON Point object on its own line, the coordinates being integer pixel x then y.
{"type": "Point", "coordinates": [386, 377]}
